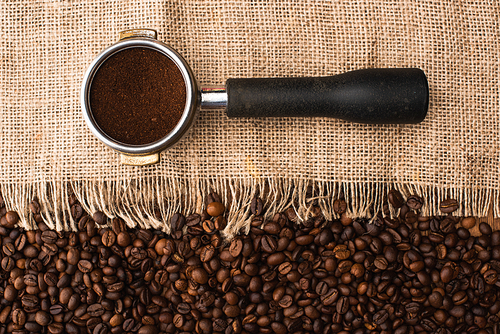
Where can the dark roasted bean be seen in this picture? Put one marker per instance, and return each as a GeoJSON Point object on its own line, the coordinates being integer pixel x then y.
{"type": "Point", "coordinates": [299, 273]}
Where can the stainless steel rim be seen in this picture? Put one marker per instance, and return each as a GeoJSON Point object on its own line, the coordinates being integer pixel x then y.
{"type": "Point", "coordinates": [192, 97]}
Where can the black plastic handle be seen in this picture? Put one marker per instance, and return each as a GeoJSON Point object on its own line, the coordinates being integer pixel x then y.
{"type": "Point", "coordinates": [383, 96]}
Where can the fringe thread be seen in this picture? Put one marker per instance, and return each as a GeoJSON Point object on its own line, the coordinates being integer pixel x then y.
{"type": "Point", "coordinates": [150, 202]}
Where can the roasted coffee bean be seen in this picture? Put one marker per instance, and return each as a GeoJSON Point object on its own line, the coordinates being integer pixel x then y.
{"type": "Point", "coordinates": [285, 268]}
{"type": "Point", "coordinates": [95, 310]}
{"type": "Point", "coordinates": [330, 297]}
{"type": "Point", "coordinates": [343, 305]}
{"type": "Point", "coordinates": [380, 317]}
{"type": "Point", "coordinates": [208, 226]}
{"type": "Point", "coordinates": [468, 222]}
{"type": "Point", "coordinates": [199, 275]}
{"type": "Point", "coordinates": [485, 229]}
{"type": "Point", "coordinates": [322, 288]}
{"type": "Point", "coordinates": [108, 238]}
{"type": "Point", "coordinates": [56, 309]}
{"type": "Point", "coordinates": [207, 253]}
{"type": "Point", "coordinates": [100, 218]}
{"type": "Point", "coordinates": [10, 219]}
{"type": "Point", "coordinates": [293, 275]}
{"type": "Point", "coordinates": [177, 222]}
{"type": "Point", "coordinates": [194, 219]}
{"type": "Point", "coordinates": [341, 252]}
{"type": "Point", "coordinates": [414, 202]}
{"type": "Point", "coordinates": [7, 264]}
{"type": "Point", "coordinates": [101, 328]}
{"type": "Point", "coordinates": [381, 262]}
{"type": "Point", "coordinates": [85, 266]}
{"type": "Point", "coordinates": [148, 329]}
{"type": "Point", "coordinates": [396, 199]}
{"type": "Point", "coordinates": [19, 317]}
{"type": "Point", "coordinates": [56, 328]}
{"type": "Point", "coordinates": [339, 206]}
{"type": "Point", "coordinates": [215, 209]}
{"type": "Point", "coordinates": [236, 247]}
{"type": "Point", "coordinates": [256, 206]}
{"type": "Point", "coordinates": [448, 206]}
{"type": "Point", "coordinates": [220, 223]}
{"type": "Point", "coordinates": [268, 244]}
{"type": "Point", "coordinates": [49, 237]}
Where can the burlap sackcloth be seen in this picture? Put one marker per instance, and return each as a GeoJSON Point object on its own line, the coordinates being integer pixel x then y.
{"type": "Point", "coordinates": [47, 151]}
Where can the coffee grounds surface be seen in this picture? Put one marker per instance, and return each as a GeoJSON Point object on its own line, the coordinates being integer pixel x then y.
{"type": "Point", "coordinates": [138, 96]}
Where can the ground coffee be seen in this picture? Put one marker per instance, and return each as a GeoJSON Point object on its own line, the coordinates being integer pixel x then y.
{"type": "Point", "coordinates": [137, 96]}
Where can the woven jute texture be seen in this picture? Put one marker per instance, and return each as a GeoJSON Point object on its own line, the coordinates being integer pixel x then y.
{"type": "Point", "coordinates": [47, 151]}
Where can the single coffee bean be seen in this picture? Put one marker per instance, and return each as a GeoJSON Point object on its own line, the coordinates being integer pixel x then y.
{"type": "Point", "coordinates": [485, 229]}
{"type": "Point", "coordinates": [208, 226]}
{"type": "Point", "coordinates": [380, 317]}
{"type": "Point", "coordinates": [193, 220]}
{"type": "Point", "coordinates": [101, 328]}
{"type": "Point", "coordinates": [215, 209]}
{"type": "Point", "coordinates": [95, 310]}
{"type": "Point", "coordinates": [414, 202]}
{"type": "Point", "coordinates": [123, 239]}
{"type": "Point", "coordinates": [49, 237]}
{"type": "Point", "coordinates": [73, 256]}
{"type": "Point", "coordinates": [11, 219]}
{"type": "Point", "coordinates": [19, 317]}
{"type": "Point", "coordinates": [491, 276]}
{"type": "Point", "coordinates": [148, 329]}
{"type": "Point", "coordinates": [304, 240]}
{"type": "Point", "coordinates": [100, 218]}
{"type": "Point", "coordinates": [396, 199]}
{"type": "Point", "coordinates": [34, 207]}
{"type": "Point", "coordinates": [7, 264]}
{"type": "Point", "coordinates": [42, 318]}
{"type": "Point", "coordinates": [177, 222]}
{"type": "Point", "coordinates": [108, 238]}
{"type": "Point", "coordinates": [56, 309]}
{"type": "Point", "coordinates": [20, 242]}
{"type": "Point", "coordinates": [76, 211]}
{"type": "Point", "coordinates": [85, 266]}
{"type": "Point", "coordinates": [56, 328]}
{"type": "Point", "coordinates": [236, 247]}
{"type": "Point", "coordinates": [183, 308]}
{"type": "Point", "coordinates": [448, 206]}
{"type": "Point", "coordinates": [436, 299]}
{"type": "Point", "coordinates": [275, 259]}
{"type": "Point", "coordinates": [10, 293]}
{"type": "Point", "coordinates": [207, 253]}
{"type": "Point", "coordinates": [446, 274]}
{"type": "Point", "coordinates": [200, 276]}
{"type": "Point", "coordinates": [330, 297]}
{"type": "Point", "coordinates": [268, 244]}
{"type": "Point", "coordinates": [118, 225]}
{"type": "Point", "coordinates": [468, 222]}
{"type": "Point", "coordinates": [178, 320]}
{"type": "Point", "coordinates": [341, 252]}
{"type": "Point", "coordinates": [256, 206]}
{"type": "Point", "coordinates": [339, 206]}
{"type": "Point", "coordinates": [343, 305]}
{"type": "Point", "coordinates": [8, 249]}
{"type": "Point", "coordinates": [381, 262]}
{"type": "Point", "coordinates": [220, 223]}
{"type": "Point", "coordinates": [31, 280]}
{"type": "Point", "coordinates": [285, 268]}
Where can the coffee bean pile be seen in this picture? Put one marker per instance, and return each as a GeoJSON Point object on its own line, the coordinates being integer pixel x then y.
{"type": "Point", "coordinates": [409, 274]}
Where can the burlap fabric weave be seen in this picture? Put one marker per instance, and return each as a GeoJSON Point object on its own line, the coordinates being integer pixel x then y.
{"type": "Point", "coordinates": [46, 150]}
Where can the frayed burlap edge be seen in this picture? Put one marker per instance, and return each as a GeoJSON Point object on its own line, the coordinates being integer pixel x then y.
{"type": "Point", "coordinates": [150, 202]}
